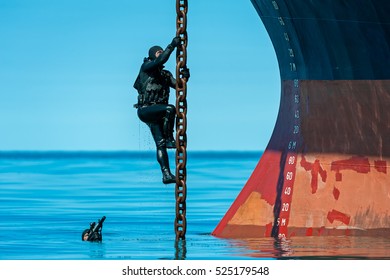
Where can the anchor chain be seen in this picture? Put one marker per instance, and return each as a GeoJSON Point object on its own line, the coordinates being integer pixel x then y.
{"type": "Point", "coordinates": [181, 121]}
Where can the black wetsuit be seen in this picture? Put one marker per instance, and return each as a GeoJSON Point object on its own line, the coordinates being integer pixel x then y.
{"type": "Point", "coordinates": [153, 85]}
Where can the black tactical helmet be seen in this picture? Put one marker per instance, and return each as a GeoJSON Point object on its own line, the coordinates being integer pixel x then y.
{"type": "Point", "coordinates": [153, 50]}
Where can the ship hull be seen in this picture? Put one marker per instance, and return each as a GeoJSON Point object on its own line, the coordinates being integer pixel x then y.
{"type": "Point", "coordinates": [325, 169]}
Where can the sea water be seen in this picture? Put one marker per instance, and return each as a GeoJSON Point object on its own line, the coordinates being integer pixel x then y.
{"type": "Point", "coordinates": [48, 198]}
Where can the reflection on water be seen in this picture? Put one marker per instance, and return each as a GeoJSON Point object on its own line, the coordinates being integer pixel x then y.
{"type": "Point", "coordinates": [321, 247]}
{"type": "Point", "coordinates": [48, 199]}
{"type": "Point", "coordinates": [180, 250]}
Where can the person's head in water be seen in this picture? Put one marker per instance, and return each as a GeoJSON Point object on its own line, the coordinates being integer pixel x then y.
{"type": "Point", "coordinates": [88, 235]}
{"type": "Point", "coordinates": [155, 51]}
{"type": "Point", "coordinates": [85, 235]}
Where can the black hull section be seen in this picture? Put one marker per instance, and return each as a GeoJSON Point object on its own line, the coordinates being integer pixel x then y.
{"type": "Point", "coordinates": [329, 39]}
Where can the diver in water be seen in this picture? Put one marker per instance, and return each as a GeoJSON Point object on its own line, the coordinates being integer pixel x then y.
{"type": "Point", "coordinates": [153, 84]}
{"type": "Point", "coordinates": [94, 233]}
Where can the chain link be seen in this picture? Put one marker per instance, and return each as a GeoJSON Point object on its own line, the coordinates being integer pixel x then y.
{"type": "Point", "coordinates": [181, 121]}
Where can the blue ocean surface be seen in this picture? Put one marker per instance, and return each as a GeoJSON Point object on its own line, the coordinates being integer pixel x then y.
{"type": "Point", "coordinates": [48, 198]}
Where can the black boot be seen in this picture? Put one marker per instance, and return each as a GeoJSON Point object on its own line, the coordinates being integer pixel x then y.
{"type": "Point", "coordinates": [162, 158]}
{"type": "Point", "coordinates": [168, 177]}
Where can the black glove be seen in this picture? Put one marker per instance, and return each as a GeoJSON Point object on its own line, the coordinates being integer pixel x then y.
{"type": "Point", "coordinates": [175, 42]}
{"type": "Point", "coordinates": [186, 73]}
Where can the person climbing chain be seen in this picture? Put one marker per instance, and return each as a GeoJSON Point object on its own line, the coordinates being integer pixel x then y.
{"type": "Point", "coordinates": [153, 84]}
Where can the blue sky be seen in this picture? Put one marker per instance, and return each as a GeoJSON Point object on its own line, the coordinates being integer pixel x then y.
{"type": "Point", "coordinates": [67, 68]}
